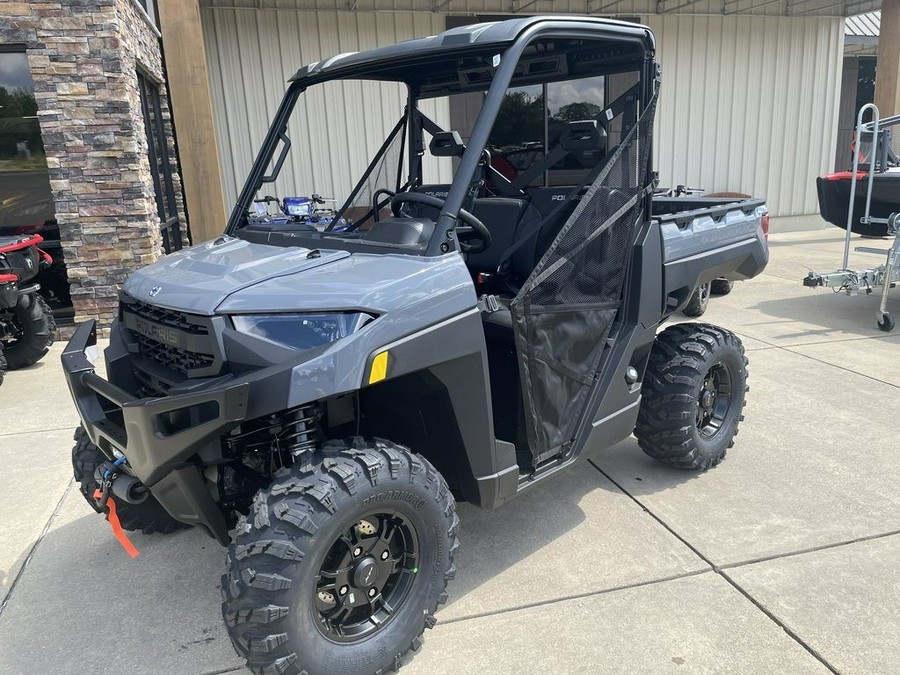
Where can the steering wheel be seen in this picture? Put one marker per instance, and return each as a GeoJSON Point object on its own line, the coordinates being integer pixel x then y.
{"type": "Point", "coordinates": [474, 237]}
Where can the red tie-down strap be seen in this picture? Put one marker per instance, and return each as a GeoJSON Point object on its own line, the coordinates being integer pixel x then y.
{"type": "Point", "coordinates": [118, 532]}
{"type": "Point", "coordinates": [7, 278]}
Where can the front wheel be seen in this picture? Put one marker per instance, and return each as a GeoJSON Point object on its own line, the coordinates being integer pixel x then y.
{"type": "Point", "coordinates": [148, 517]}
{"type": "Point", "coordinates": [693, 396]}
{"type": "Point", "coordinates": [28, 331]}
{"type": "Point", "coordinates": [340, 565]}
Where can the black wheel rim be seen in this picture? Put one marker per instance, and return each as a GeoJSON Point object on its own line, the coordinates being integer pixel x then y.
{"type": "Point", "coordinates": [366, 576]}
{"type": "Point", "coordinates": [714, 400]}
{"type": "Point", "coordinates": [11, 329]}
{"type": "Point", "coordinates": [705, 291]}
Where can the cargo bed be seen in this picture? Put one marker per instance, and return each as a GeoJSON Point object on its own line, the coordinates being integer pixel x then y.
{"type": "Point", "coordinates": [709, 238]}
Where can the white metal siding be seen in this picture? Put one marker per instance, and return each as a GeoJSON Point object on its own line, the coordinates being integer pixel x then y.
{"type": "Point", "coordinates": [338, 126]}
{"type": "Point", "coordinates": [624, 8]}
{"type": "Point", "coordinates": [749, 104]}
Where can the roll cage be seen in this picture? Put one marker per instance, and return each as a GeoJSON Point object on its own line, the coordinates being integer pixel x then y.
{"type": "Point", "coordinates": [487, 58]}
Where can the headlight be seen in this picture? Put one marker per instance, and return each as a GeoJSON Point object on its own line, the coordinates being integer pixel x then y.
{"type": "Point", "coordinates": [301, 331]}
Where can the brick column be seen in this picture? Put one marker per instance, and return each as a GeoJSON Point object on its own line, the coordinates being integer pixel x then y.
{"type": "Point", "coordinates": [84, 57]}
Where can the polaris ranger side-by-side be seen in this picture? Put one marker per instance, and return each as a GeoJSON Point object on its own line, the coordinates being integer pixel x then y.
{"type": "Point", "coordinates": [317, 395]}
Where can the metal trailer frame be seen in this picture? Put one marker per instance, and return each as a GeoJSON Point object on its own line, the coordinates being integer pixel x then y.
{"type": "Point", "coordinates": [888, 275]}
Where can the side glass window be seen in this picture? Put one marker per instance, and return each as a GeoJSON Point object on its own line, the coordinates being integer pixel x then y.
{"type": "Point", "coordinates": [161, 164]}
{"type": "Point", "coordinates": [149, 6]}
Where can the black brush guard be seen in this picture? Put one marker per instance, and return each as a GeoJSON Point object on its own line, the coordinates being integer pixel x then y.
{"type": "Point", "coordinates": [143, 429]}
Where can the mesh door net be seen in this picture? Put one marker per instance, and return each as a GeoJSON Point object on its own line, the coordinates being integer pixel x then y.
{"type": "Point", "coordinates": [563, 313]}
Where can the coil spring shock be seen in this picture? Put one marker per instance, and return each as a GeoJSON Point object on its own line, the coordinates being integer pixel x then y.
{"type": "Point", "coordinates": [301, 433]}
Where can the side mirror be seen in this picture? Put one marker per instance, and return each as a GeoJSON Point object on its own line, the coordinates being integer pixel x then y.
{"type": "Point", "coordinates": [447, 144]}
{"type": "Point", "coordinates": [583, 136]}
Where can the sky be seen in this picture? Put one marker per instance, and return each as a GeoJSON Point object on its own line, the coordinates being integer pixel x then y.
{"type": "Point", "coordinates": [14, 72]}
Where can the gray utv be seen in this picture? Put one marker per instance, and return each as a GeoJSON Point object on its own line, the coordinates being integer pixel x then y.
{"type": "Point", "coordinates": [316, 393]}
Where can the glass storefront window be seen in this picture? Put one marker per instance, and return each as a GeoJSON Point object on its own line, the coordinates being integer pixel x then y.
{"type": "Point", "coordinates": [26, 202]}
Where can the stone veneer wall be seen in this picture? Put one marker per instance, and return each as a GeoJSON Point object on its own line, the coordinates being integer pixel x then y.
{"type": "Point", "coordinates": [84, 56]}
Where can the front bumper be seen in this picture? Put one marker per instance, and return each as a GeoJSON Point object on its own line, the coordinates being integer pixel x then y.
{"type": "Point", "coordinates": [157, 435]}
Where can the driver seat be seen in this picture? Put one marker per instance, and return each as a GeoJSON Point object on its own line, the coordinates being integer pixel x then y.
{"type": "Point", "coordinates": [505, 217]}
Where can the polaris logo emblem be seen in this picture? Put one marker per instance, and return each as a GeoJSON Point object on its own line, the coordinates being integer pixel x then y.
{"type": "Point", "coordinates": [154, 291]}
{"type": "Point", "coordinates": [168, 336]}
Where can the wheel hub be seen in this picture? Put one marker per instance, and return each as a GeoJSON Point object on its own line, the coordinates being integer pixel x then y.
{"type": "Point", "coordinates": [366, 576]}
{"type": "Point", "coordinates": [366, 573]}
{"type": "Point", "coordinates": [714, 400]}
{"type": "Point", "coordinates": [11, 330]}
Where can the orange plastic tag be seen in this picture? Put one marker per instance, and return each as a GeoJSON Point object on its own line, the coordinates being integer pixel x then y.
{"type": "Point", "coordinates": [118, 532]}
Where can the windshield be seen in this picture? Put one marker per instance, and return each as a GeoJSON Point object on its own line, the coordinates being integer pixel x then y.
{"type": "Point", "coordinates": [326, 171]}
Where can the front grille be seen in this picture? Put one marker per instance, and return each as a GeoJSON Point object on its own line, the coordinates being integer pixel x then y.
{"type": "Point", "coordinates": [173, 358]}
{"type": "Point", "coordinates": [178, 345]}
{"type": "Point", "coordinates": [167, 317]}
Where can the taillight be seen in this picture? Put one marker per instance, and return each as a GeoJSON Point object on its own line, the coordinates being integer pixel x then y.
{"type": "Point", "coordinates": [765, 226]}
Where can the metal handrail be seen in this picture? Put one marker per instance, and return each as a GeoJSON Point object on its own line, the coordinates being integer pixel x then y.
{"type": "Point", "coordinates": [876, 119]}
{"type": "Point", "coordinates": [883, 124]}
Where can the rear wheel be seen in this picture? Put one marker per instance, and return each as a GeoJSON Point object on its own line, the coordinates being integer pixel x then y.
{"type": "Point", "coordinates": [341, 565]}
{"type": "Point", "coordinates": [28, 331]}
{"type": "Point", "coordinates": [699, 301]}
{"type": "Point", "coordinates": [721, 286]}
{"type": "Point", "coordinates": [2, 365]}
{"type": "Point", "coordinates": [693, 396]}
{"type": "Point", "coordinates": [148, 517]}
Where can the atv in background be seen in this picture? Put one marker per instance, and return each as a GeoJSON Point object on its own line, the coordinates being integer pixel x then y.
{"type": "Point", "coordinates": [26, 322]}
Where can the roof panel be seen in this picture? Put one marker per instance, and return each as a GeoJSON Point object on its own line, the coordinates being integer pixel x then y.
{"type": "Point", "coordinates": [482, 36]}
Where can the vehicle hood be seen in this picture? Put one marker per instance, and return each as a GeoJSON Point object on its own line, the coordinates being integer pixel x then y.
{"type": "Point", "coordinates": [199, 279]}
{"type": "Point", "coordinates": [380, 283]}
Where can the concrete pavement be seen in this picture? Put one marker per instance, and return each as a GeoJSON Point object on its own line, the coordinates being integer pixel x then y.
{"type": "Point", "coordinates": [781, 560]}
